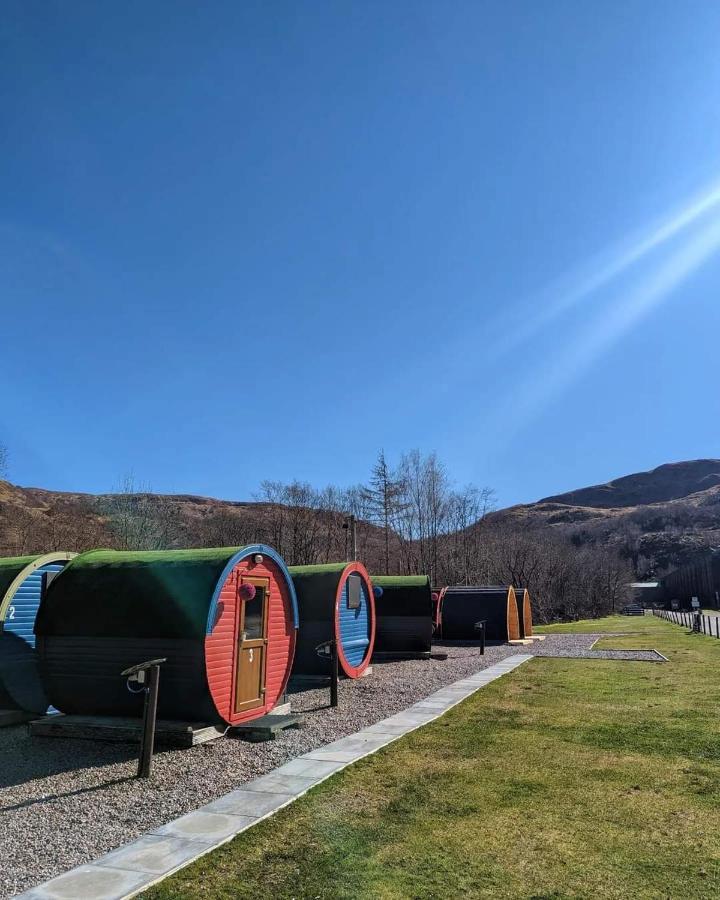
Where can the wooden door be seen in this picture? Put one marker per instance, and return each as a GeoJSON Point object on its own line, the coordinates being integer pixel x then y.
{"type": "Point", "coordinates": [251, 645]}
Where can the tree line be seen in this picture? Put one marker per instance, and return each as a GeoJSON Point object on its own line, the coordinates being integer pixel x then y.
{"type": "Point", "coordinates": [410, 518]}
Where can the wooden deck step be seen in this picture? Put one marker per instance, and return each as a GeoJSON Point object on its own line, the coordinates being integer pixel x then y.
{"type": "Point", "coordinates": [121, 729]}
{"type": "Point", "coordinates": [14, 717]}
{"type": "Point", "coordinates": [266, 728]}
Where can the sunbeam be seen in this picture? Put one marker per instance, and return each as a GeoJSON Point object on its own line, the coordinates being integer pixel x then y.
{"type": "Point", "coordinates": [613, 323]}
{"type": "Point", "coordinates": [570, 291]}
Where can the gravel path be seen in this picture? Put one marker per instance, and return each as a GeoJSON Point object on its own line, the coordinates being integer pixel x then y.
{"type": "Point", "coordinates": [65, 802]}
{"type": "Point", "coordinates": [580, 646]}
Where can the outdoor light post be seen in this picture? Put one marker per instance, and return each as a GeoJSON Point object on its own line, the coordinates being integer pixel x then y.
{"type": "Point", "coordinates": [349, 525]}
{"type": "Point", "coordinates": [146, 674]}
{"type": "Point", "coordinates": [328, 650]}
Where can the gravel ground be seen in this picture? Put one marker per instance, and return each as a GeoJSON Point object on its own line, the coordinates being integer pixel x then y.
{"type": "Point", "coordinates": [65, 802]}
{"type": "Point", "coordinates": [580, 646]}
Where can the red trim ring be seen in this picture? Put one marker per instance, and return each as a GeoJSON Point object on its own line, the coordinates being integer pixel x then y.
{"type": "Point", "coordinates": [349, 670]}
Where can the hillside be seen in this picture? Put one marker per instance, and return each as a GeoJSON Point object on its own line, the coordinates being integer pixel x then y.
{"type": "Point", "coordinates": [672, 481]}
{"type": "Point", "coordinates": [36, 519]}
{"type": "Point", "coordinates": [657, 519]}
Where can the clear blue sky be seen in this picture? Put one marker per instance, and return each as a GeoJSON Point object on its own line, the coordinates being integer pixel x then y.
{"type": "Point", "coordinates": [262, 240]}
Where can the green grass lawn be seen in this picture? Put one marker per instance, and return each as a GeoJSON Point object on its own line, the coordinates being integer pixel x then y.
{"type": "Point", "coordinates": [564, 779]}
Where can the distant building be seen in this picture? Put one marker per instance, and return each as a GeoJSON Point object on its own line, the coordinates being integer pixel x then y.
{"type": "Point", "coordinates": [646, 593]}
{"type": "Point", "coordinates": [700, 578]}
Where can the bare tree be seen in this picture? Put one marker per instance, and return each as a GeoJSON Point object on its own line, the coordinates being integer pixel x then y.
{"type": "Point", "coordinates": [384, 500]}
{"type": "Point", "coordinates": [137, 518]}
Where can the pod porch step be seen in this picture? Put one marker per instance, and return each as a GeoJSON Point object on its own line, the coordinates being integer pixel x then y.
{"type": "Point", "coordinates": [124, 729]}
{"type": "Point", "coordinates": [266, 728]}
{"type": "Point", "coordinates": [14, 717]}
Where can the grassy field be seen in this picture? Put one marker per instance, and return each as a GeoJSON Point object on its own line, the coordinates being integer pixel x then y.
{"type": "Point", "coordinates": [565, 779]}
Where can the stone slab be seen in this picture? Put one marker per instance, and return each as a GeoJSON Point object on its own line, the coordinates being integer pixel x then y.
{"type": "Point", "coordinates": [317, 769]}
{"type": "Point", "coordinates": [91, 882]}
{"type": "Point", "coordinates": [207, 827]}
{"type": "Point", "coordinates": [154, 854]}
{"type": "Point", "coordinates": [248, 803]}
{"type": "Point", "coordinates": [277, 783]}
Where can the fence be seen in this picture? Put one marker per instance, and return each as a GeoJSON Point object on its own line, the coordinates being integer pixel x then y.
{"type": "Point", "coordinates": [694, 621]}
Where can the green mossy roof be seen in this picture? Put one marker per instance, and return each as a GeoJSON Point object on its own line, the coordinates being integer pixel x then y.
{"type": "Point", "coordinates": [324, 569]}
{"type": "Point", "coordinates": [316, 587]}
{"type": "Point", "coordinates": [10, 568]}
{"type": "Point", "coordinates": [400, 580]}
{"type": "Point", "coordinates": [163, 593]}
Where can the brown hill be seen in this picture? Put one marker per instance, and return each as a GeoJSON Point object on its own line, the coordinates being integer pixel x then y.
{"type": "Point", "coordinates": [658, 519]}
{"type": "Point", "coordinates": [35, 520]}
{"type": "Point", "coordinates": [672, 481]}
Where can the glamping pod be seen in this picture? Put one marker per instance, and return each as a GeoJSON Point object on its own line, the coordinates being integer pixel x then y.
{"type": "Point", "coordinates": [522, 597]}
{"type": "Point", "coordinates": [461, 607]}
{"type": "Point", "coordinates": [404, 613]}
{"type": "Point", "coordinates": [23, 583]}
{"type": "Point", "coordinates": [335, 601]}
{"type": "Point", "coordinates": [226, 620]}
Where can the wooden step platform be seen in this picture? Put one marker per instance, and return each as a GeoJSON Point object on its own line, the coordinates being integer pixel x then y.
{"type": "Point", "coordinates": [536, 637]}
{"type": "Point", "coordinates": [14, 717]}
{"type": "Point", "coordinates": [118, 728]}
{"type": "Point", "coordinates": [266, 728]}
{"type": "Point", "coordinates": [521, 642]}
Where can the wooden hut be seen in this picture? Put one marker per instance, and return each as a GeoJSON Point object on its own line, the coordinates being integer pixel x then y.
{"type": "Point", "coordinates": [226, 620]}
{"type": "Point", "coordinates": [460, 607]}
{"type": "Point", "coordinates": [522, 596]}
{"type": "Point", "coordinates": [335, 602]}
{"type": "Point", "coordinates": [24, 580]}
{"type": "Point", "coordinates": [404, 611]}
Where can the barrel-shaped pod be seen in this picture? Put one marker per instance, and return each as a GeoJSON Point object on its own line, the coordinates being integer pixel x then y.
{"type": "Point", "coordinates": [461, 607]}
{"type": "Point", "coordinates": [225, 619]}
{"type": "Point", "coordinates": [335, 602]}
{"type": "Point", "coordinates": [23, 583]}
{"type": "Point", "coordinates": [404, 613]}
{"type": "Point", "coordinates": [522, 597]}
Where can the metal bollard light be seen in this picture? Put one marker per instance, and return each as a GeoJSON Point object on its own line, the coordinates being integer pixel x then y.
{"type": "Point", "coordinates": [148, 675]}
{"type": "Point", "coordinates": [480, 627]}
{"type": "Point", "coordinates": [328, 650]}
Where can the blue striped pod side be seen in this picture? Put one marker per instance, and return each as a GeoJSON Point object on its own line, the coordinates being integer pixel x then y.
{"type": "Point", "coordinates": [19, 668]}
{"type": "Point", "coordinates": [354, 626]}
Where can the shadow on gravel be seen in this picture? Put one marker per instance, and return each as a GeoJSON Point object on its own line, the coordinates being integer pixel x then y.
{"type": "Point", "coordinates": [51, 798]}
{"type": "Point", "coordinates": [24, 758]}
{"type": "Point", "coordinates": [448, 645]}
